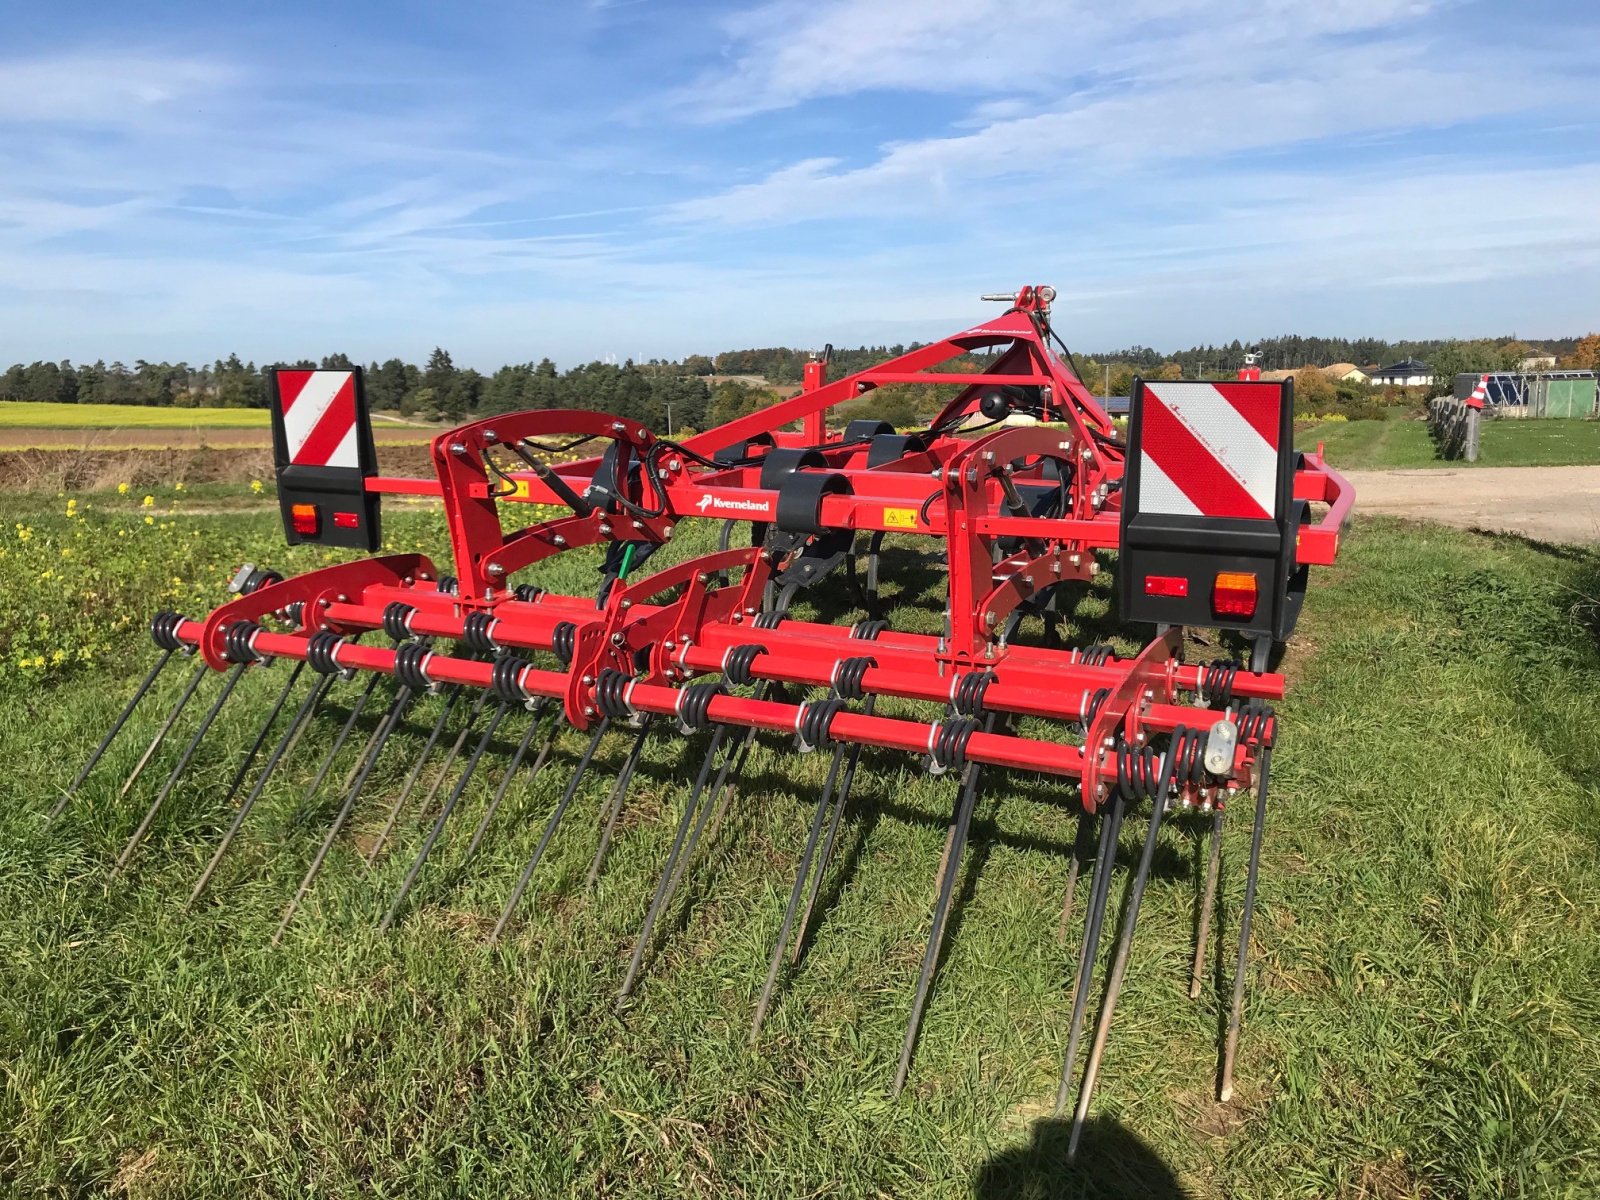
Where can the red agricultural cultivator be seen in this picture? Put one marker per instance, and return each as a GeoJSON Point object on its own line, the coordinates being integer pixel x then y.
{"type": "Point", "coordinates": [1022, 475]}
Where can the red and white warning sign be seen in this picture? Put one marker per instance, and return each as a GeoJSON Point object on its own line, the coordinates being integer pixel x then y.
{"type": "Point", "coordinates": [319, 417]}
{"type": "Point", "coordinates": [1210, 449]}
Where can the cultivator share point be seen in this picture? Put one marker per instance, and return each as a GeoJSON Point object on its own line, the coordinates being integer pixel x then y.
{"type": "Point", "coordinates": [1023, 478]}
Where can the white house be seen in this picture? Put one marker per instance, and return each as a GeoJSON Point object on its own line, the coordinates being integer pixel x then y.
{"type": "Point", "coordinates": [1406, 373]}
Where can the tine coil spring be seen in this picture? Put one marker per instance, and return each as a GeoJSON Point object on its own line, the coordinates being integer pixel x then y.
{"type": "Point", "coordinates": [947, 744]}
{"type": "Point", "coordinates": [847, 676]}
{"type": "Point", "coordinates": [1256, 724]}
{"type": "Point", "coordinates": [505, 679]}
{"type": "Point", "coordinates": [1216, 682]}
{"type": "Point", "coordinates": [477, 633]}
{"type": "Point", "coordinates": [770, 620]}
{"type": "Point", "coordinates": [693, 701]}
{"type": "Point", "coordinates": [322, 652]}
{"type": "Point", "coordinates": [397, 621]}
{"type": "Point", "coordinates": [411, 666]}
{"type": "Point", "coordinates": [812, 724]}
{"type": "Point", "coordinates": [737, 662]}
{"type": "Point", "coordinates": [562, 642]}
{"type": "Point", "coordinates": [611, 694]}
{"type": "Point", "coordinates": [967, 696]}
{"type": "Point", "coordinates": [237, 643]}
{"type": "Point", "coordinates": [164, 631]}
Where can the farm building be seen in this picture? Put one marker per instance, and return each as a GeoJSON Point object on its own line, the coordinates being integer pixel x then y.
{"type": "Point", "coordinates": [1408, 372]}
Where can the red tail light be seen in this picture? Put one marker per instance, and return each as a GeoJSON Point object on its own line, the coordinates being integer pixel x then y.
{"type": "Point", "coordinates": [305, 518]}
{"type": "Point", "coordinates": [1166, 585]}
{"type": "Point", "coordinates": [1234, 595]}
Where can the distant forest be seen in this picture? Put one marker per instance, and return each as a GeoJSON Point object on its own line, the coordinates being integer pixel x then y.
{"type": "Point", "coordinates": [702, 390]}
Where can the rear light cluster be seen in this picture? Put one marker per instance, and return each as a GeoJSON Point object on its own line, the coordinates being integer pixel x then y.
{"type": "Point", "coordinates": [307, 520]}
{"type": "Point", "coordinates": [1234, 594]}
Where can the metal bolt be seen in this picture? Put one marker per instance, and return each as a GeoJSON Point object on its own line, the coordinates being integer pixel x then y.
{"type": "Point", "coordinates": [588, 710]}
{"type": "Point", "coordinates": [666, 531]}
{"type": "Point", "coordinates": [605, 528]}
{"type": "Point", "coordinates": [343, 599]}
{"type": "Point", "coordinates": [674, 464]}
{"type": "Point", "coordinates": [669, 645]}
{"type": "Point", "coordinates": [618, 427]}
{"type": "Point", "coordinates": [495, 568]}
{"type": "Point", "coordinates": [627, 604]}
{"type": "Point", "coordinates": [490, 436]}
{"type": "Point", "coordinates": [459, 449]}
{"type": "Point", "coordinates": [559, 539]}
{"type": "Point", "coordinates": [661, 472]}
{"type": "Point", "coordinates": [588, 681]}
{"type": "Point", "coordinates": [988, 456]}
{"type": "Point", "coordinates": [617, 639]}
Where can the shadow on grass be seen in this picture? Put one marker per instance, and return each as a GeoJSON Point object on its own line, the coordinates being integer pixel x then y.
{"type": "Point", "coordinates": [1111, 1162]}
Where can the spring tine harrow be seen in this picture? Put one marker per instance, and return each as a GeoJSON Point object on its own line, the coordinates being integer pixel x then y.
{"type": "Point", "coordinates": [949, 872]}
{"type": "Point", "coordinates": [824, 802]}
{"type": "Point", "coordinates": [189, 690]}
{"type": "Point", "coordinates": [455, 749]}
{"type": "Point", "coordinates": [1236, 1006]}
{"type": "Point", "coordinates": [282, 750]}
{"type": "Point", "coordinates": [1208, 903]}
{"type": "Point", "coordinates": [614, 803]}
{"type": "Point", "coordinates": [803, 928]}
{"type": "Point", "coordinates": [521, 752]}
{"type": "Point", "coordinates": [1181, 745]}
{"type": "Point", "coordinates": [413, 775]}
{"type": "Point", "coordinates": [1094, 915]}
{"type": "Point", "coordinates": [445, 810]}
{"type": "Point", "coordinates": [669, 869]}
{"type": "Point", "coordinates": [116, 727]}
{"type": "Point", "coordinates": [1080, 851]}
{"type": "Point", "coordinates": [184, 760]}
{"type": "Point", "coordinates": [262, 734]}
{"type": "Point", "coordinates": [550, 827]}
{"type": "Point", "coordinates": [369, 760]}
{"type": "Point", "coordinates": [1023, 482]}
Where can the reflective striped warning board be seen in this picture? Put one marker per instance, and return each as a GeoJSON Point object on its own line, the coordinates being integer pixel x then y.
{"type": "Point", "coordinates": [319, 418]}
{"type": "Point", "coordinates": [1210, 449]}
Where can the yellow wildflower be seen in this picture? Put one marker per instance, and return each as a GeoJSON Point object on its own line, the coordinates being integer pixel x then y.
{"type": "Point", "coordinates": [122, 489]}
{"type": "Point", "coordinates": [256, 486]}
{"type": "Point", "coordinates": [149, 520]}
{"type": "Point", "coordinates": [149, 502]}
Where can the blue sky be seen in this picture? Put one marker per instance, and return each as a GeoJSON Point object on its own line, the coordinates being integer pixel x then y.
{"type": "Point", "coordinates": [652, 177]}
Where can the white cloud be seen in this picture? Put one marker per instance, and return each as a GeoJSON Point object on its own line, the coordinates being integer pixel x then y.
{"type": "Point", "coordinates": [105, 88]}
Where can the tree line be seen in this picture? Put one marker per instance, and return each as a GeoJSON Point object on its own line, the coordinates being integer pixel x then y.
{"type": "Point", "coordinates": [695, 392]}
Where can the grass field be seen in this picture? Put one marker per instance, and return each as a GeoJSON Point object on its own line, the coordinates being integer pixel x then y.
{"type": "Point", "coordinates": [1425, 1009]}
{"type": "Point", "coordinates": [1401, 443]}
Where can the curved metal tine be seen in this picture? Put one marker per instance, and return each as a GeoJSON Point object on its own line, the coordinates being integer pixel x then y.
{"type": "Point", "coordinates": [614, 802]}
{"type": "Point", "coordinates": [416, 773]}
{"type": "Point", "coordinates": [455, 748]}
{"type": "Point", "coordinates": [668, 869]}
{"type": "Point", "coordinates": [549, 829]}
{"type": "Point", "coordinates": [716, 802]}
{"type": "Point", "coordinates": [1080, 851]}
{"type": "Point", "coordinates": [795, 893]}
{"type": "Point", "coordinates": [1119, 962]}
{"type": "Point", "coordinates": [261, 735]}
{"type": "Point", "coordinates": [955, 851]}
{"type": "Point", "coordinates": [177, 772]}
{"type": "Point", "coordinates": [1094, 917]}
{"type": "Point", "coordinates": [391, 719]}
{"type": "Point", "coordinates": [449, 806]}
{"type": "Point", "coordinates": [116, 728]}
{"type": "Point", "coordinates": [1236, 1012]}
{"type": "Point", "coordinates": [1208, 903]}
{"type": "Point", "coordinates": [803, 931]}
{"type": "Point", "coordinates": [286, 743]}
{"type": "Point", "coordinates": [339, 741]}
{"type": "Point", "coordinates": [402, 697]}
{"type": "Point", "coordinates": [511, 771]}
{"type": "Point", "coordinates": [200, 672]}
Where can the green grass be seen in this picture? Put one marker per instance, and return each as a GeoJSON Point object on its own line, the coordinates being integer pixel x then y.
{"type": "Point", "coordinates": [1423, 1018]}
{"type": "Point", "coordinates": [28, 414]}
{"type": "Point", "coordinates": [1402, 443]}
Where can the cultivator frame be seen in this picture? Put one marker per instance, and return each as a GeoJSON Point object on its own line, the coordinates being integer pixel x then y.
{"type": "Point", "coordinates": [1021, 476]}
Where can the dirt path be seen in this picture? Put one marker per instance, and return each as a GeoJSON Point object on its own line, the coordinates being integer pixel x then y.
{"type": "Point", "coordinates": [1552, 504]}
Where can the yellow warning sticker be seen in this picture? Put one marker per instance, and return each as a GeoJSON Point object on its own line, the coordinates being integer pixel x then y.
{"type": "Point", "coordinates": [522, 492]}
{"type": "Point", "coordinates": [900, 518]}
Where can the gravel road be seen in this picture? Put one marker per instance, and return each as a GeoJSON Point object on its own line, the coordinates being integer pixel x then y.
{"type": "Point", "coordinates": [1552, 504]}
